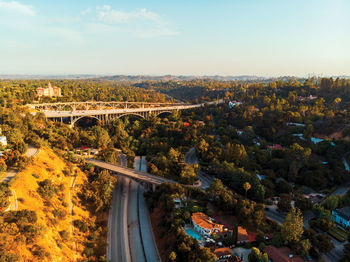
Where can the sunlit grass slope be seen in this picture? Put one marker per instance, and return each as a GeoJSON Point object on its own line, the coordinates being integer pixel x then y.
{"type": "Point", "coordinates": [54, 216]}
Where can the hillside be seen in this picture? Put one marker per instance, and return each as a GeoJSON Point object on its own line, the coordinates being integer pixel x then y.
{"type": "Point", "coordinates": [44, 187]}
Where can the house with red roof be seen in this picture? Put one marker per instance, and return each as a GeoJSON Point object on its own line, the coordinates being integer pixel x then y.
{"type": "Point", "coordinates": [282, 254]}
{"type": "Point", "coordinates": [242, 235]}
{"type": "Point", "coordinates": [275, 147]}
{"type": "Point", "coordinates": [204, 224]}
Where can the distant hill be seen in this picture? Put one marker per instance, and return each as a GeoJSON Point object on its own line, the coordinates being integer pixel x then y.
{"type": "Point", "coordinates": [29, 77]}
{"type": "Point", "coordinates": [140, 78]}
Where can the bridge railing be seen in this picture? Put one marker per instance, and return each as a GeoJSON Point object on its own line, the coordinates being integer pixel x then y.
{"type": "Point", "coordinates": [93, 105]}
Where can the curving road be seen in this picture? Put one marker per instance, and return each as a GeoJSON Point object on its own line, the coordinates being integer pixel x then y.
{"type": "Point", "coordinates": [191, 158]}
{"type": "Point", "coordinates": [31, 152]}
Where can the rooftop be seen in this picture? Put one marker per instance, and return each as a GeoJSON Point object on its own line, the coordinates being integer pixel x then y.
{"type": "Point", "coordinates": [242, 234]}
{"type": "Point", "coordinates": [281, 254]}
{"type": "Point", "coordinates": [223, 251]}
{"type": "Point", "coordinates": [204, 221]}
{"type": "Point", "coordinates": [344, 212]}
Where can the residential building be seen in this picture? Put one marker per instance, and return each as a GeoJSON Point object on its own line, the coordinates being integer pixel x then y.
{"type": "Point", "coordinates": [242, 235]}
{"type": "Point", "coordinates": [282, 254]}
{"type": "Point", "coordinates": [275, 147]}
{"type": "Point", "coordinates": [49, 91]}
{"type": "Point", "coordinates": [232, 104]}
{"type": "Point", "coordinates": [342, 216]}
{"type": "Point", "coordinates": [204, 224]}
{"type": "Point", "coordinates": [223, 253]}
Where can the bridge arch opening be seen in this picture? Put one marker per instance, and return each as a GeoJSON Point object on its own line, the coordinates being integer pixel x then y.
{"type": "Point", "coordinates": [129, 115]}
{"type": "Point", "coordinates": [85, 121]}
{"type": "Point", "coordinates": [164, 114]}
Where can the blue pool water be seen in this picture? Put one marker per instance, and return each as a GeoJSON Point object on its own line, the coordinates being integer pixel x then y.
{"type": "Point", "coordinates": [192, 233]}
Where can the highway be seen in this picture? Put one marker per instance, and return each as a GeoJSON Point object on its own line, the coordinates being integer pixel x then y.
{"type": "Point", "coordinates": [118, 237]}
{"type": "Point", "coordinates": [137, 251]}
{"type": "Point", "coordinates": [130, 234]}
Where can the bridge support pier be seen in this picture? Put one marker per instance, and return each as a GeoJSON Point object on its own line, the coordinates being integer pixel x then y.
{"type": "Point", "coordinates": [148, 186]}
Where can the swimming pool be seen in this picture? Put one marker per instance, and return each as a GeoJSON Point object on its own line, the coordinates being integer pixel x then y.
{"type": "Point", "coordinates": [192, 233]}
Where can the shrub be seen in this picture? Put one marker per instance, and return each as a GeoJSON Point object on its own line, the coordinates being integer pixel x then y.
{"type": "Point", "coordinates": [21, 217]}
{"type": "Point", "coordinates": [39, 252]}
{"type": "Point", "coordinates": [61, 214]}
{"type": "Point", "coordinates": [81, 225]}
{"type": "Point", "coordinates": [47, 189]}
{"type": "Point", "coordinates": [64, 234]}
{"type": "Point", "coordinates": [5, 192]}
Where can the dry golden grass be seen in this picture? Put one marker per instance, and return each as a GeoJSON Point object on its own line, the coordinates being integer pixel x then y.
{"type": "Point", "coordinates": [48, 166]}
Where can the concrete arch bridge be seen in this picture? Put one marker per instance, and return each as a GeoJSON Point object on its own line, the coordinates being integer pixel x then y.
{"type": "Point", "coordinates": [108, 111]}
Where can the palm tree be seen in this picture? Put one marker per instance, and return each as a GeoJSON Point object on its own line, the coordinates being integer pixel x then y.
{"type": "Point", "coordinates": [246, 187]}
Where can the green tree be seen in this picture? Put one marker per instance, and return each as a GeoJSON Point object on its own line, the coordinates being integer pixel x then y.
{"type": "Point", "coordinates": [323, 243]}
{"type": "Point", "coordinates": [188, 174]}
{"type": "Point", "coordinates": [292, 228]}
{"type": "Point", "coordinates": [305, 247]}
{"type": "Point", "coordinates": [5, 192]}
{"type": "Point", "coordinates": [246, 187]}
{"type": "Point", "coordinates": [172, 256]}
{"type": "Point", "coordinates": [285, 202]}
{"type": "Point", "coordinates": [332, 202]}
{"type": "Point", "coordinates": [257, 256]}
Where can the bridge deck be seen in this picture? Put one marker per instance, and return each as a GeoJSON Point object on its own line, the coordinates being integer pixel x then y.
{"type": "Point", "coordinates": [131, 173]}
{"type": "Point", "coordinates": [52, 114]}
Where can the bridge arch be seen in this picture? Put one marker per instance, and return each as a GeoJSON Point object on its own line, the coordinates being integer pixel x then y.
{"type": "Point", "coordinates": [163, 112]}
{"type": "Point", "coordinates": [77, 119]}
{"type": "Point", "coordinates": [127, 114]}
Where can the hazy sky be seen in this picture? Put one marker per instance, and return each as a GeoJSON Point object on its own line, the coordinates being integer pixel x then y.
{"type": "Point", "coordinates": [203, 37]}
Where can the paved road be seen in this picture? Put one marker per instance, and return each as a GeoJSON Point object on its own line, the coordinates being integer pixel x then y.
{"type": "Point", "coordinates": [342, 189]}
{"type": "Point", "coordinates": [31, 152]}
{"type": "Point", "coordinates": [130, 234]}
{"type": "Point", "coordinates": [118, 237]}
{"type": "Point", "coordinates": [137, 251]}
{"type": "Point", "coordinates": [13, 202]}
{"type": "Point", "coordinates": [336, 253]}
{"type": "Point", "coordinates": [191, 158]}
{"type": "Point", "coordinates": [149, 244]}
